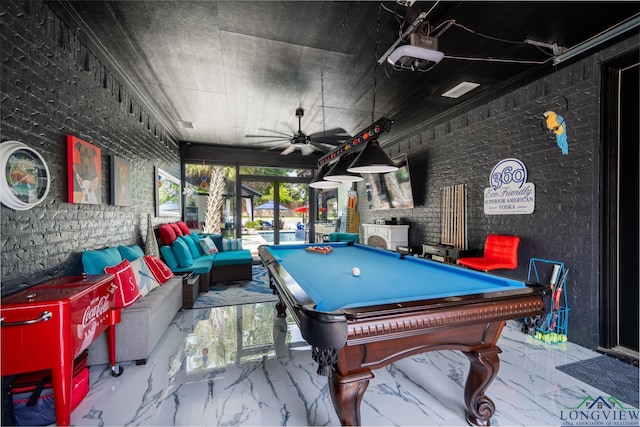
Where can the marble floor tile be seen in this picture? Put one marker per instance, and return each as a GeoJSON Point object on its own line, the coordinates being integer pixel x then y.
{"type": "Point", "coordinates": [242, 365]}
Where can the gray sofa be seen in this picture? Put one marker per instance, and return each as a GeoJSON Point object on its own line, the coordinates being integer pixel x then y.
{"type": "Point", "coordinates": [142, 323]}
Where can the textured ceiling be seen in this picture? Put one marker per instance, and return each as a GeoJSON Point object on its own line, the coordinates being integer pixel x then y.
{"type": "Point", "coordinates": [238, 68]}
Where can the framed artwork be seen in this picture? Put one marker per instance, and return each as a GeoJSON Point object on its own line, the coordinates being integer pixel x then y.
{"type": "Point", "coordinates": [168, 195]}
{"type": "Point", "coordinates": [85, 173]}
{"type": "Point", "coordinates": [120, 181]}
{"type": "Point", "coordinates": [25, 179]}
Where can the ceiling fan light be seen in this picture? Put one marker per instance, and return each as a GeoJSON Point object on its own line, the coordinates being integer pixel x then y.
{"type": "Point", "coordinates": [372, 159]}
{"type": "Point", "coordinates": [319, 182]}
{"type": "Point", "coordinates": [339, 172]}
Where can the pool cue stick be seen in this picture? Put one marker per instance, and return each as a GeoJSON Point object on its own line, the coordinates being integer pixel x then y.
{"type": "Point", "coordinates": [457, 216]}
{"type": "Point", "coordinates": [445, 215]}
{"type": "Point", "coordinates": [453, 214]}
{"type": "Point", "coordinates": [452, 202]}
{"type": "Point", "coordinates": [442, 215]}
{"type": "Point", "coordinates": [464, 217]}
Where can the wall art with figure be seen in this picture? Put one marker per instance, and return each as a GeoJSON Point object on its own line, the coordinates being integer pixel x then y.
{"type": "Point", "coordinates": [120, 181]}
{"type": "Point", "coordinates": [85, 173]}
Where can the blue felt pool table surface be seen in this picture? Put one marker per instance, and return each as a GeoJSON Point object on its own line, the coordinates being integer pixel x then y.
{"type": "Point", "coordinates": [384, 278]}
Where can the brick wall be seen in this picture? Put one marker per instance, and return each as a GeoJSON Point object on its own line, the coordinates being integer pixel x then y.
{"type": "Point", "coordinates": [565, 223]}
{"type": "Point", "coordinates": [52, 86]}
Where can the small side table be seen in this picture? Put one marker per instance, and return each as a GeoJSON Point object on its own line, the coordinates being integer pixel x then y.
{"type": "Point", "coordinates": [190, 289]}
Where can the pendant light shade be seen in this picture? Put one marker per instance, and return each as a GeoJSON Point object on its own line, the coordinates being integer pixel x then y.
{"type": "Point", "coordinates": [320, 183]}
{"type": "Point", "coordinates": [372, 159]}
{"type": "Point", "coordinates": [340, 173]}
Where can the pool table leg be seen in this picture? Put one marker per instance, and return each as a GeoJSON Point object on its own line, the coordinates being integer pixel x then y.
{"type": "Point", "coordinates": [484, 368]}
{"type": "Point", "coordinates": [281, 308]}
{"type": "Point", "coordinates": [346, 394]}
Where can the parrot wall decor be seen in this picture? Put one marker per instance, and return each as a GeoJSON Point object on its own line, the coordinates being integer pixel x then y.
{"type": "Point", "coordinates": [557, 125]}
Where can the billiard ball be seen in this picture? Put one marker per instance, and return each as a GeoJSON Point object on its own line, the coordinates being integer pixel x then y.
{"type": "Point", "coordinates": [355, 271]}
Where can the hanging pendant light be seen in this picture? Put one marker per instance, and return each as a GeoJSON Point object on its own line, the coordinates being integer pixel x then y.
{"type": "Point", "coordinates": [340, 173]}
{"type": "Point", "coordinates": [372, 159]}
{"type": "Point", "coordinates": [320, 183]}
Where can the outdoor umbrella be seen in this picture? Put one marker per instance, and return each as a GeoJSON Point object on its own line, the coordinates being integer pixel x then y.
{"type": "Point", "coordinates": [269, 206]}
{"type": "Point", "coordinates": [303, 210]}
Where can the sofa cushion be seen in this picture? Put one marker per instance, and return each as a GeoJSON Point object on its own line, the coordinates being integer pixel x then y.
{"type": "Point", "coordinates": [130, 253]}
{"type": "Point", "coordinates": [144, 278]}
{"type": "Point", "coordinates": [169, 257]}
{"type": "Point", "coordinates": [201, 265]}
{"type": "Point", "coordinates": [176, 229]}
{"type": "Point", "coordinates": [159, 269]}
{"type": "Point", "coordinates": [182, 253]}
{"type": "Point", "coordinates": [208, 246]}
{"type": "Point", "coordinates": [193, 246]}
{"type": "Point", "coordinates": [196, 240]}
{"type": "Point", "coordinates": [94, 262]}
{"type": "Point", "coordinates": [125, 280]}
{"type": "Point", "coordinates": [184, 228]}
{"type": "Point", "coordinates": [230, 244]}
{"type": "Point", "coordinates": [167, 234]}
{"type": "Point", "coordinates": [233, 258]}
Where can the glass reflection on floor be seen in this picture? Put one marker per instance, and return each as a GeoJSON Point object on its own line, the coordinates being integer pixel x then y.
{"type": "Point", "coordinates": [223, 336]}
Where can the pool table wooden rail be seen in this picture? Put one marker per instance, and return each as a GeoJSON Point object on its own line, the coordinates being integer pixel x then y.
{"type": "Point", "coordinates": [348, 344]}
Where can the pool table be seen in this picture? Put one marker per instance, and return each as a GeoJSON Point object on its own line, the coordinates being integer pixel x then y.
{"type": "Point", "coordinates": [398, 306]}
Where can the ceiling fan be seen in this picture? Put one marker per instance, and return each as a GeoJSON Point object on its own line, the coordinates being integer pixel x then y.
{"type": "Point", "coordinates": [319, 141]}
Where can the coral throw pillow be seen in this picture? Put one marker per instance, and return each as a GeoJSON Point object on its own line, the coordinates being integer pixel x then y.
{"type": "Point", "coordinates": [167, 234]}
{"type": "Point", "coordinates": [176, 229]}
{"type": "Point", "coordinates": [125, 280]}
{"type": "Point", "coordinates": [183, 227]}
{"type": "Point", "coordinates": [158, 268]}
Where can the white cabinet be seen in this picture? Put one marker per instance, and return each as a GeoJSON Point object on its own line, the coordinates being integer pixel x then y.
{"type": "Point", "coordinates": [385, 236]}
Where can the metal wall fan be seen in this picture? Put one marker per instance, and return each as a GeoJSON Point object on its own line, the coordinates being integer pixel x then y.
{"type": "Point", "coordinates": [319, 141]}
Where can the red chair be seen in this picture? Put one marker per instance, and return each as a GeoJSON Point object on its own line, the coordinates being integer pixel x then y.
{"type": "Point", "coordinates": [500, 252]}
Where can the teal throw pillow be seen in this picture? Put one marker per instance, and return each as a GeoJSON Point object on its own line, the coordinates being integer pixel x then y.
{"type": "Point", "coordinates": [131, 253]}
{"type": "Point", "coordinates": [196, 239]}
{"type": "Point", "coordinates": [94, 262]}
{"type": "Point", "coordinates": [182, 252]}
{"type": "Point", "coordinates": [193, 247]}
{"type": "Point", "coordinates": [169, 257]}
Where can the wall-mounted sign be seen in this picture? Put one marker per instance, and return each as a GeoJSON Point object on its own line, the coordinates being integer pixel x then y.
{"type": "Point", "coordinates": [509, 192]}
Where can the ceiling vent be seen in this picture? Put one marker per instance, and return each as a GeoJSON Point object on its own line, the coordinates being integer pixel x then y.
{"type": "Point", "coordinates": [420, 55]}
{"type": "Point", "coordinates": [459, 90]}
{"type": "Point", "coordinates": [186, 125]}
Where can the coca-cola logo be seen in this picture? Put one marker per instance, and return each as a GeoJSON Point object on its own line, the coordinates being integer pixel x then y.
{"type": "Point", "coordinates": [97, 308]}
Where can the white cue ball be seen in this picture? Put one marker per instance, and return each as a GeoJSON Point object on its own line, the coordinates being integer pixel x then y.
{"type": "Point", "coordinates": [355, 271]}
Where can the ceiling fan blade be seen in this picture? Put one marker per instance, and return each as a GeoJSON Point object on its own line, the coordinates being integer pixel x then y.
{"type": "Point", "coordinates": [321, 146]}
{"type": "Point", "coordinates": [279, 146]}
{"type": "Point", "coordinates": [271, 140]}
{"type": "Point", "coordinates": [307, 149]}
{"type": "Point", "coordinates": [288, 150]}
{"type": "Point", "coordinates": [331, 132]}
{"type": "Point", "coordinates": [335, 137]}
{"type": "Point", "coordinates": [332, 142]}
{"type": "Point", "coordinates": [277, 132]}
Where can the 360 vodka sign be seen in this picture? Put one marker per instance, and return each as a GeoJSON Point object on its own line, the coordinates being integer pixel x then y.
{"type": "Point", "coordinates": [509, 192]}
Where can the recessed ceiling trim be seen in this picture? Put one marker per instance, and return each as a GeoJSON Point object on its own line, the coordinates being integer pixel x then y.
{"type": "Point", "coordinates": [460, 89]}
